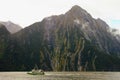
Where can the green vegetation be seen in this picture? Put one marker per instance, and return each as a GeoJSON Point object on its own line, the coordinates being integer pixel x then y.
{"type": "Point", "coordinates": [59, 45]}
{"type": "Point", "coordinates": [67, 50]}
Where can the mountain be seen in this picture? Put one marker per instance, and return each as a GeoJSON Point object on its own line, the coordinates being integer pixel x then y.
{"type": "Point", "coordinates": [4, 33]}
{"type": "Point", "coordinates": [95, 30]}
{"type": "Point", "coordinates": [73, 41]}
{"type": "Point", "coordinates": [11, 27]}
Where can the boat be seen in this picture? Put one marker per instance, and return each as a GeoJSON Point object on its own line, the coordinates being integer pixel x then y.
{"type": "Point", "coordinates": [36, 72]}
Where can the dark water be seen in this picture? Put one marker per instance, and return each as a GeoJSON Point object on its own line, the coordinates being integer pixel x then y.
{"type": "Point", "coordinates": [61, 76]}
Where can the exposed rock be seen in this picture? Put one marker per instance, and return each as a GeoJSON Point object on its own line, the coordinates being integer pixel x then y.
{"type": "Point", "coordinates": [70, 42]}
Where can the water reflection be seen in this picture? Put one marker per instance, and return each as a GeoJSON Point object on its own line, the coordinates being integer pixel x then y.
{"type": "Point", "coordinates": [61, 76]}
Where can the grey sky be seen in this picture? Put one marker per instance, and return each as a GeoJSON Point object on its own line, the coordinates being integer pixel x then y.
{"type": "Point", "coordinates": [26, 12]}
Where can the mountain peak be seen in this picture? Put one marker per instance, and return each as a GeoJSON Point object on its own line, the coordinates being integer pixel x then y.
{"type": "Point", "coordinates": [76, 7]}
{"type": "Point", "coordinates": [77, 11]}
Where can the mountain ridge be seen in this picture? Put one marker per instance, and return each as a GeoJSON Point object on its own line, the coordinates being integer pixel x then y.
{"type": "Point", "coordinates": [73, 41]}
{"type": "Point", "coordinates": [11, 27]}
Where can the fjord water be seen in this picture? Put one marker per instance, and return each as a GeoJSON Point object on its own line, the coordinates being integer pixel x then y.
{"type": "Point", "coordinates": [61, 76]}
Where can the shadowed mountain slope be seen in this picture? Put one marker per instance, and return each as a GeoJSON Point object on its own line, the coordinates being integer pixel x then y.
{"type": "Point", "coordinates": [73, 41]}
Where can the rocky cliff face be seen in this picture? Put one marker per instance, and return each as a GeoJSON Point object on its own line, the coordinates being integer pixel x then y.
{"type": "Point", "coordinates": [73, 41]}
{"type": "Point", "coordinates": [94, 30]}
